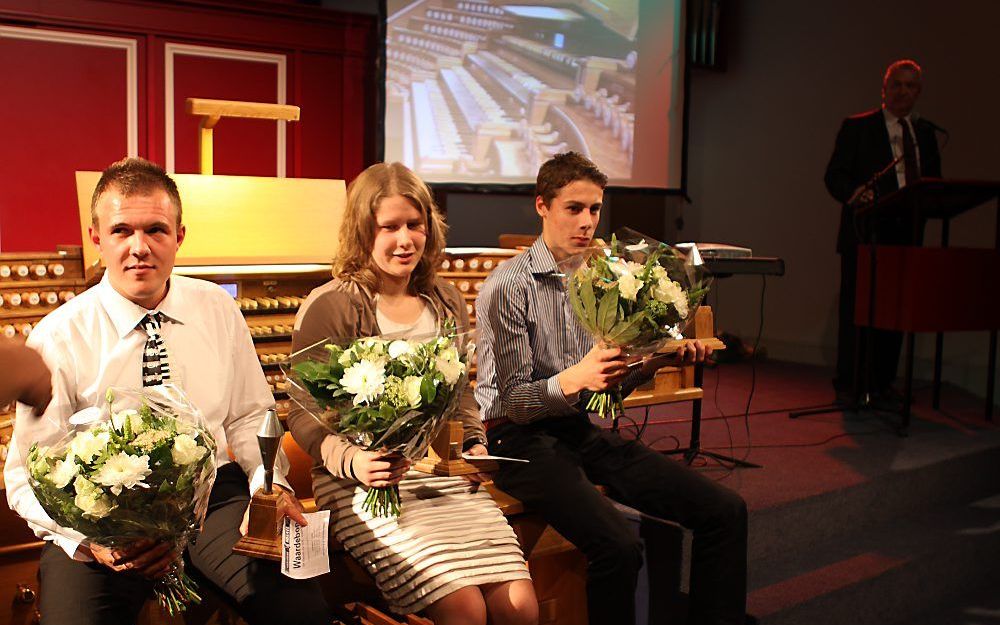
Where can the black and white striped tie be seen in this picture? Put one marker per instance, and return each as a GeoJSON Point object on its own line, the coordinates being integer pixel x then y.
{"type": "Point", "coordinates": [155, 368]}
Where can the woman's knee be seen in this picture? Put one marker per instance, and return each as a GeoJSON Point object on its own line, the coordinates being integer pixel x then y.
{"type": "Point", "coordinates": [512, 603]}
{"type": "Point", "coordinates": [464, 606]}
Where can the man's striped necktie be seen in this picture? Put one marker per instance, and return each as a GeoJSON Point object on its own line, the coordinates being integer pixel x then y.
{"type": "Point", "coordinates": [155, 368]}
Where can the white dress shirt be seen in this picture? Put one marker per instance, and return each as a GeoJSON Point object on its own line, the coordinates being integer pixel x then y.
{"type": "Point", "coordinates": [896, 141]}
{"type": "Point", "coordinates": [92, 342]}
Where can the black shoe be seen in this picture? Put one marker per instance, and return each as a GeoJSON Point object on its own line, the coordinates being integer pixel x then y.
{"type": "Point", "coordinates": [846, 398]}
{"type": "Point", "coordinates": [888, 400]}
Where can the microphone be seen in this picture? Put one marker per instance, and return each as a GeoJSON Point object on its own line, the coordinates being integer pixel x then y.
{"type": "Point", "coordinates": [916, 116]}
{"type": "Point", "coordinates": [856, 202]}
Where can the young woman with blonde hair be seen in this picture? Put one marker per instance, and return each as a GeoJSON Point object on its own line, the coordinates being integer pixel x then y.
{"type": "Point", "coordinates": [450, 553]}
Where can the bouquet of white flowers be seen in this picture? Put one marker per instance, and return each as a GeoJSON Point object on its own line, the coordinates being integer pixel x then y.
{"type": "Point", "coordinates": [383, 393]}
{"type": "Point", "coordinates": [140, 468]}
{"type": "Point", "coordinates": [635, 293]}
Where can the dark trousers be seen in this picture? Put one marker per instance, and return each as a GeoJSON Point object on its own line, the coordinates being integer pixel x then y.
{"type": "Point", "coordinates": [87, 593]}
{"type": "Point", "coordinates": [569, 455]}
{"type": "Point", "coordinates": [885, 344]}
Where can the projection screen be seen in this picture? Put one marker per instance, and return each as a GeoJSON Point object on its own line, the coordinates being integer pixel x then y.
{"type": "Point", "coordinates": [484, 91]}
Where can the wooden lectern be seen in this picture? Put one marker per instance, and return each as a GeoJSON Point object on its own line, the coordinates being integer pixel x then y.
{"type": "Point", "coordinates": [908, 279]}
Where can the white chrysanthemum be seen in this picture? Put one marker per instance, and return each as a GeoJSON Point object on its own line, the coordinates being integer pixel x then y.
{"type": "Point", "coordinates": [450, 365]}
{"type": "Point", "coordinates": [670, 292]}
{"type": "Point", "coordinates": [411, 387]}
{"type": "Point", "coordinates": [365, 380]}
{"type": "Point", "coordinates": [90, 499]}
{"type": "Point", "coordinates": [86, 445]}
{"type": "Point", "coordinates": [628, 286]}
{"type": "Point", "coordinates": [63, 472]}
{"type": "Point", "coordinates": [658, 273]}
{"type": "Point", "coordinates": [186, 450]}
{"type": "Point", "coordinates": [399, 348]}
{"type": "Point", "coordinates": [123, 471]}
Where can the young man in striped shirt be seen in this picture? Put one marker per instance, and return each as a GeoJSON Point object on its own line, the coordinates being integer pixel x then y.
{"type": "Point", "coordinates": [536, 369]}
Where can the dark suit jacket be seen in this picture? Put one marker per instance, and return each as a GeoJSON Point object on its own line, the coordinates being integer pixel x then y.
{"type": "Point", "coordinates": [861, 151]}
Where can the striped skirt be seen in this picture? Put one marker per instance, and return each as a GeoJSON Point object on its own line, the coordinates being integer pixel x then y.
{"type": "Point", "coordinates": [445, 538]}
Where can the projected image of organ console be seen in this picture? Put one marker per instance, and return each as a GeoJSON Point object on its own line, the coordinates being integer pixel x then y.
{"type": "Point", "coordinates": [480, 91]}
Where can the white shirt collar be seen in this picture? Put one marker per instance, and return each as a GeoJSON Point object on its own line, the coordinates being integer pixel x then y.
{"type": "Point", "coordinates": [892, 119]}
{"type": "Point", "coordinates": [126, 314]}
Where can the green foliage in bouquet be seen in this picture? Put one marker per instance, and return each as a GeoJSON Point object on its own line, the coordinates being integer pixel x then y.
{"type": "Point", "coordinates": [633, 297]}
{"type": "Point", "coordinates": [143, 474]}
{"type": "Point", "coordinates": [382, 393]}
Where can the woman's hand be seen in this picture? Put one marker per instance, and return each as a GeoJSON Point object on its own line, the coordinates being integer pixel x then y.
{"type": "Point", "coordinates": [378, 469]}
{"type": "Point", "coordinates": [477, 478]}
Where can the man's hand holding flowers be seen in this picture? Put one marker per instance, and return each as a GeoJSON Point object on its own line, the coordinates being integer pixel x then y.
{"type": "Point", "coordinates": [601, 369]}
{"type": "Point", "coordinates": [147, 558]}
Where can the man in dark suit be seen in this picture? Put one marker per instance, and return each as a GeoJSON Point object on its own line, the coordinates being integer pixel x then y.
{"type": "Point", "coordinates": [866, 145]}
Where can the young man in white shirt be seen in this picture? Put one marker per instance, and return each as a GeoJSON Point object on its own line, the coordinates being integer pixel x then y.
{"type": "Point", "coordinates": [96, 341]}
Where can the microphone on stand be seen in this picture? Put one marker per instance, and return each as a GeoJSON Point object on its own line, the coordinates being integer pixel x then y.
{"type": "Point", "coordinates": [916, 116]}
{"type": "Point", "coordinates": [856, 201]}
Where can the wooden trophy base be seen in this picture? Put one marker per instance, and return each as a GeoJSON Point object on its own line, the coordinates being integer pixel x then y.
{"type": "Point", "coordinates": [444, 456]}
{"type": "Point", "coordinates": [263, 538]}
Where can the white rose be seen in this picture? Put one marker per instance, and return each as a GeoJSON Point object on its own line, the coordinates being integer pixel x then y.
{"type": "Point", "coordinates": [628, 286]}
{"type": "Point", "coordinates": [90, 499]}
{"type": "Point", "coordinates": [624, 267]}
{"type": "Point", "coordinates": [399, 348]}
{"type": "Point", "coordinates": [345, 358]}
{"type": "Point", "coordinates": [186, 450]}
{"type": "Point", "coordinates": [134, 420]}
{"type": "Point", "coordinates": [411, 387]}
{"type": "Point", "coordinates": [123, 471]}
{"type": "Point", "coordinates": [365, 380]}
{"type": "Point", "coordinates": [86, 445]}
{"type": "Point", "coordinates": [63, 472]}
{"type": "Point", "coordinates": [448, 363]}
{"type": "Point", "coordinates": [670, 292]}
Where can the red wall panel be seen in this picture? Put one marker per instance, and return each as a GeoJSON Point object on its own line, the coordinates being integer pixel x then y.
{"type": "Point", "coordinates": [319, 134]}
{"type": "Point", "coordinates": [246, 147]}
{"type": "Point", "coordinates": [64, 109]}
{"type": "Point", "coordinates": [63, 106]}
{"type": "Point", "coordinates": [357, 77]}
